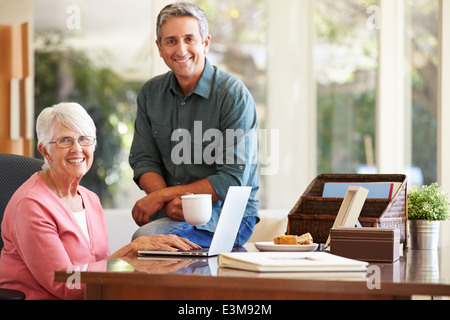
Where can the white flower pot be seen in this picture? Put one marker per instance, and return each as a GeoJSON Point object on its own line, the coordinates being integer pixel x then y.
{"type": "Point", "coordinates": [424, 235]}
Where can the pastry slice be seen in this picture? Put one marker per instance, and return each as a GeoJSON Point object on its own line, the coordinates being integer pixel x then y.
{"type": "Point", "coordinates": [294, 240]}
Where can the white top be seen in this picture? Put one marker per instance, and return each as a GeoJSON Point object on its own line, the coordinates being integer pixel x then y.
{"type": "Point", "coordinates": [81, 219]}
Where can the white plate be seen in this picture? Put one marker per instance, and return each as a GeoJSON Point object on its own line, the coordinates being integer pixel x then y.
{"type": "Point", "coordinates": [270, 246]}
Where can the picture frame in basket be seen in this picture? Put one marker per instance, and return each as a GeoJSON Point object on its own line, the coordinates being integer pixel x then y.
{"type": "Point", "coordinates": [350, 209]}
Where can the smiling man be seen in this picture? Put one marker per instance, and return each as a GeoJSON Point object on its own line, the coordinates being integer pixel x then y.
{"type": "Point", "coordinates": [183, 50]}
{"type": "Point", "coordinates": [194, 96]}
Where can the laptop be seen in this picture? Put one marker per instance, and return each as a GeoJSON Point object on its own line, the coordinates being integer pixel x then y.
{"type": "Point", "coordinates": [227, 227]}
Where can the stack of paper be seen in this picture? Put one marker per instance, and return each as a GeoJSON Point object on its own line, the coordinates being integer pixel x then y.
{"type": "Point", "coordinates": [289, 262]}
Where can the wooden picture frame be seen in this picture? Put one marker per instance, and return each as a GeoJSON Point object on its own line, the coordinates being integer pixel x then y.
{"type": "Point", "coordinates": [350, 208]}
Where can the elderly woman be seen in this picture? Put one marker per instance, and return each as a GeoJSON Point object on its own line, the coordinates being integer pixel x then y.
{"type": "Point", "coordinates": [52, 222]}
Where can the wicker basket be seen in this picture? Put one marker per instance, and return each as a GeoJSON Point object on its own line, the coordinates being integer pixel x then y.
{"type": "Point", "coordinates": [316, 215]}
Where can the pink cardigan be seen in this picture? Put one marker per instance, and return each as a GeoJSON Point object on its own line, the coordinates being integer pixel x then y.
{"type": "Point", "coordinates": [42, 236]}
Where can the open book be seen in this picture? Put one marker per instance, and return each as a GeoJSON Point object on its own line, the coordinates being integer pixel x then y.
{"type": "Point", "coordinates": [289, 262]}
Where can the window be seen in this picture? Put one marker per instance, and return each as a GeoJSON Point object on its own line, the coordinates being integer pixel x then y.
{"type": "Point", "coordinates": [346, 61]}
{"type": "Point", "coordinates": [422, 58]}
{"type": "Point", "coordinates": [345, 58]}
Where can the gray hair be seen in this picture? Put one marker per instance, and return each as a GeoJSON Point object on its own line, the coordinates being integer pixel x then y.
{"type": "Point", "coordinates": [68, 114]}
{"type": "Point", "coordinates": [183, 9]}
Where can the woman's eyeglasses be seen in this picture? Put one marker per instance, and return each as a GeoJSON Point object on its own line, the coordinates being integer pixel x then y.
{"type": "Point", "coordinates": [67, 142]}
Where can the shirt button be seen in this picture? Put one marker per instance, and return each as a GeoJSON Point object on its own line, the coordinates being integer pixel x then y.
{"type": "Point", "coordinates": [92, 251]}
{"type": "Point", "coordinates": [241, 167]}
{"type": "Point", "coordinates": [183, 103]}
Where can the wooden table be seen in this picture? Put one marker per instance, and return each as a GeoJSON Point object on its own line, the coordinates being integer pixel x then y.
{"type": "Point", "coordinates": [162, 278]}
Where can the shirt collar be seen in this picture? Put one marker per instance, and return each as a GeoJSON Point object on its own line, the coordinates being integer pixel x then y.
{"type": "Point", "coordinates": [203, 87]}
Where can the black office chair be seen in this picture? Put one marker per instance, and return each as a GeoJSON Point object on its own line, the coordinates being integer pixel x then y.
{"type": "Point", "coordinates": [14, 171]}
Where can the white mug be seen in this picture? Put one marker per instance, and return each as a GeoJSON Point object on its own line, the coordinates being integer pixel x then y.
{"type": "Point", "coordinates": [197, 208]}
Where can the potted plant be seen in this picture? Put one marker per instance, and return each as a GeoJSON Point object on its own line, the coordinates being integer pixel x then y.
{"type": "Point", "coordinates": [427, 206]}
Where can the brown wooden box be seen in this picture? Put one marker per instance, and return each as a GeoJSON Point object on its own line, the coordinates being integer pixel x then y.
{"type": "Point", "coordinates": [316, 215]}
{"type": "Point", "coordinates": [366, 244]}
